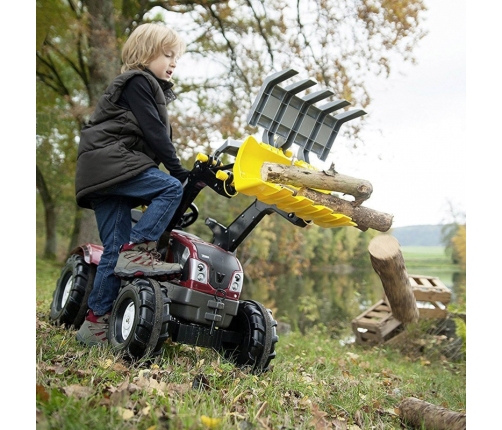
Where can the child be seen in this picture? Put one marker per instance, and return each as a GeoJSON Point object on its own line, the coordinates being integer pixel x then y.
{"type": "Point", "coordinates": [127, 137]}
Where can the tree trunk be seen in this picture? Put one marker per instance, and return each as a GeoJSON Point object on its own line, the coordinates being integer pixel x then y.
{"type": "Point", "coordinates": [104, 65]}
{"type": "Point", "coordinates": [421, 414]}
{"type": "Point", "coordinates": [88, 228]}
{"type": "Point", "coordinates": [50, 217]}
{"type": "Point", "coordinates": [85, 229]}
{"type": "Point", "coordinates": [104, 58]}
{"type": "Point", "coordinates": [387, 260]}
{"type": "Point", "coordinates": [364, 217]}
{"type": "Point", "coordinates": [323, 180]}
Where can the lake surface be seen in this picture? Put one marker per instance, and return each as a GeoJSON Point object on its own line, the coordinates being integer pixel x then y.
{"type": "Point", "coordinates": [333, 298]}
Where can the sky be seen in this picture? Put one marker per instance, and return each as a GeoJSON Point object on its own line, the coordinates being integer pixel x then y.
{"type": "Point", "coordinates": [415, 134]}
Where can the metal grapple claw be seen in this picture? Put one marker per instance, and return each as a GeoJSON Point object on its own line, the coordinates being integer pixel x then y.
{"type": "Point", "coordinates": [288, 119]}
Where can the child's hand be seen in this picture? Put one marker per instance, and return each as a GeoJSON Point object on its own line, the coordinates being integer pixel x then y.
{"type": "Point", "coordinates": [181, 175]}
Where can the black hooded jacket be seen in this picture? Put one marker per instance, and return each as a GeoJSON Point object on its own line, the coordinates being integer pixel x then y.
{"type": "Point", "coordinates": [116, 144]}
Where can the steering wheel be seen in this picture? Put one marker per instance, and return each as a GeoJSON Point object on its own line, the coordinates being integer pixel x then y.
{"type": "Point", "coordinates": [189, 217]}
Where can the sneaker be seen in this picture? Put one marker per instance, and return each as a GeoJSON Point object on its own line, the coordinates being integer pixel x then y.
{"type": "Point", "coordinates": [94, 330]}
{"type": "Point", "coordinates": [142, 259]}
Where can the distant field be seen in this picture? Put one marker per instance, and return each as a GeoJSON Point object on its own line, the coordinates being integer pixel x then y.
{"type": "Point", "coordinates": [425, 255]}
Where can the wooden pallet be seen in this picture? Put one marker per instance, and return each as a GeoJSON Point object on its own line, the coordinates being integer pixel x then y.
{"type": "Point", "coordinates": [431, 295]}
{"type": "Point", "coordinates": [376, 325]}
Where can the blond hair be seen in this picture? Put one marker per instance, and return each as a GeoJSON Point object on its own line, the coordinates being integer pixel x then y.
{"type": "Point", "coordinates": [147, 42]}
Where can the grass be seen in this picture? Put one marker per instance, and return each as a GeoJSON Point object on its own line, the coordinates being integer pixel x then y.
{"type": "Point", "coordinates": [434, 256]}
{"type": "Point", "coordinates": [314, 382]}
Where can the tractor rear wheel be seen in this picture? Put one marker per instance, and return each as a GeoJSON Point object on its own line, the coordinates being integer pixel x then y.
{"type": "Point", "coordinates": [69, 300]}
{"type": "Point", "coordinates": [259, 336]}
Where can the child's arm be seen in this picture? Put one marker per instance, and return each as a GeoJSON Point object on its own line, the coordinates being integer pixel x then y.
{"type": "Point", "coordinates": [138, 96]}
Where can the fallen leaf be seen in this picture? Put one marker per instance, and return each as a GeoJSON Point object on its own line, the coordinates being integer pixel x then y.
{"type": "Point", "coordinates": [358, 418]}
{"type": "Point", "coordinates": [119, 367]}
{"type": "Point", "coordinates": [42, 393]}
{"type": "Point", "coordinates": [126, 414]}
{"type": "Point", "coordinates": [144, 373]}
{"type": "Point", "coordinates": [318, 418]}
{"type": "Point", "coordinates": [106, 364]}
{"type": "Point", "coordinates": [78, 391]}
{"type": "Point", "coordinates": [57, 369]}
{"type": "Point", "coordinates": [152, 385]}
{"type": "Point", "coordinates": [212, 423]}
{"type": "Point", "coordinates": [132, 388]}
{"type": "Point", "coordinates": [119, 398]}
{"type": "Point", "coordinates": [339, 424]}
{"type": "Point", "coordinates": [178, 388]}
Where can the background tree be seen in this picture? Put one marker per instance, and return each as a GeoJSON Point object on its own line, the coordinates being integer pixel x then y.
{"type": "Point", "coordinates": [459, 248]}
{"type": "Point", "coordinates": [453, 235]}
{"type": "Point", "coordinates": [232, 46]}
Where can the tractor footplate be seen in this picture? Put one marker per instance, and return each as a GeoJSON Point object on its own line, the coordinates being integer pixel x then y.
{"type": "Point", "coordinates": [197, 335]}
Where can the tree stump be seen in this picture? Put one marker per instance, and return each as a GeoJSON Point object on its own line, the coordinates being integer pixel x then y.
{"type": "Point", "coordinates": [420, 414]}
{"type": "Point", "coordinates": [387, 261]}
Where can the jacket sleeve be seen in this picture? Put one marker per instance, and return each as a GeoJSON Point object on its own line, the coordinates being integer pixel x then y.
{"type": "Point", "coordinates": [138, 96]}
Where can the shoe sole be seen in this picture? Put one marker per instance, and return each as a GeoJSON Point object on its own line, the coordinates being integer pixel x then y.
{"type": "Point", "coordinates": [138, 273]}
{"type": "Point", "coordinates": [83, 342]}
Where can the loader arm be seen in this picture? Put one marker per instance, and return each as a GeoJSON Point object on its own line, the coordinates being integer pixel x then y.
{"type": "Point", "coordinates": [229, 238]}
{"type": "Point", "coordinates": [287, 120]}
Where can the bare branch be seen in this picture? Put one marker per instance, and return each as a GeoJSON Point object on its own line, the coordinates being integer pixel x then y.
{"type": "Point", "coordinates": [262, 31]}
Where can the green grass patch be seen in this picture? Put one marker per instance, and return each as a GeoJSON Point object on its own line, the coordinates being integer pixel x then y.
{"type": "Point", "coordinates": [426, 256]}
{"type": "Point", "coordinates": [315, 381]}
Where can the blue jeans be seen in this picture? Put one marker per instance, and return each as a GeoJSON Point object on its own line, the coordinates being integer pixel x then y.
{"type": "Point", "coordinates": [112, 207]}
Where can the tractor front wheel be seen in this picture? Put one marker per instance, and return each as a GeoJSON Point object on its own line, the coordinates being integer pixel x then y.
{"type": "Point", "coordinates": [139, 318]}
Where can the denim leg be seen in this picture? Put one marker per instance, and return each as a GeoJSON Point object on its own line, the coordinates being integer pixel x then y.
{"type": "Point", "coordinates": [113, 216]}
{"type": "Point", "coordinates": [162, 193]}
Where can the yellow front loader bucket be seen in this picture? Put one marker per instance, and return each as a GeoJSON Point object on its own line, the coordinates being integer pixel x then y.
{"type": "Point", "coordinates": [247, 180]}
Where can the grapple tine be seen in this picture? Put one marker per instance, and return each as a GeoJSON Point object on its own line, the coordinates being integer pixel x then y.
{"type": "Point", "coordinates": [263, 96]}
{"type": "Point", "coordinates": [340, 119]}
{"type": "Point", "coordinates": [305, 103]}
{"type": "Point", "coordinates": [287, 118]}
{"type": "Point", "coordinates": [282, 121]}
{"type": "Point", "coordinates": [321, 131]}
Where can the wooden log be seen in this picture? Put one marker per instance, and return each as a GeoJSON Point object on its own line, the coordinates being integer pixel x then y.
{"type": "Point", "coordinates": [420, 414]}
{"type": "Point", "coordinates": [329, 180]}
{"type": "Point", "coordinates": [364, 217]}
{"type": "Point", "coordinates": [388, 262]}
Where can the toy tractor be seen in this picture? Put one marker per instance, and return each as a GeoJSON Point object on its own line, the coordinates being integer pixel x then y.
{"type": "Point", "coordinates": [202, 307]}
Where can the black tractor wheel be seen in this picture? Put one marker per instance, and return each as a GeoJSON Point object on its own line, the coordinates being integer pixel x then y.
{"type": "Point", "coordinates": [258, 329]}
{"type": "Point", "coordinates": [69, 300]}
{"type": "Point", "coordinates": [138, 324]}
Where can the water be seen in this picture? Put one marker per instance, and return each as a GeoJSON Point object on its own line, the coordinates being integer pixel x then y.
{"type": "Point", "coordinates": [334, 298]}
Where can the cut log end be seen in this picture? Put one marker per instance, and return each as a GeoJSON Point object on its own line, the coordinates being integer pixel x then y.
{"type": "Point", "coordinates": [384, 247]}
{"type": "Point", "coordinates": [387, 260]}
